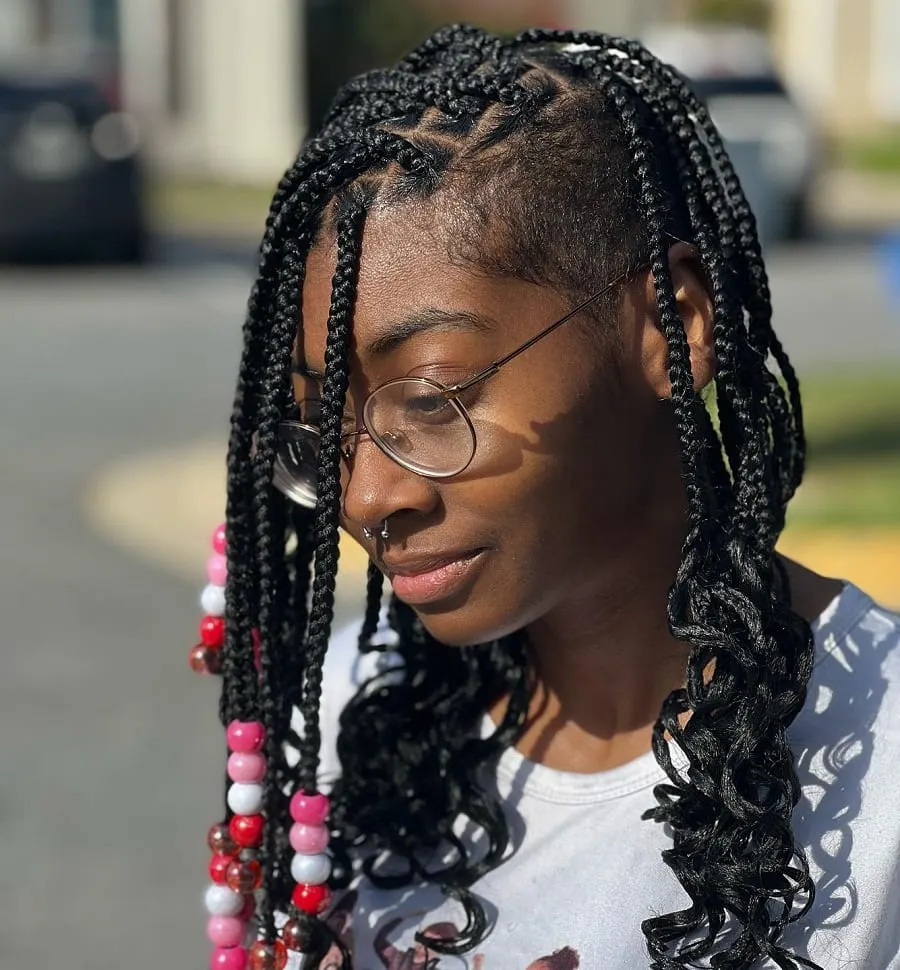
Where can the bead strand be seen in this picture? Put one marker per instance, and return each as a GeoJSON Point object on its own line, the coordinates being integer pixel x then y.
{"type": "Point", "coordinates": [310, 866]}
{"type": "Point", "coordinates": [205, 656]}
{"type": "Point", "coordinates": [235, 873]}
{"type": "Point", "coordinates": [228, 910]}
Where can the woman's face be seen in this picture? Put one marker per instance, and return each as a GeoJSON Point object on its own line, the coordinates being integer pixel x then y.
{"type": "Point", "coordinates": [573, 456]}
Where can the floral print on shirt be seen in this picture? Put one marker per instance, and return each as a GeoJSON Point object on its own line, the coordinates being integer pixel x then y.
{"type": "Point", "coordinates": [418, 956]}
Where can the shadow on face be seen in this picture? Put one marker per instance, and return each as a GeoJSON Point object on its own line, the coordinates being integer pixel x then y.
{"type": "Point", "coordinates": [572, 457]}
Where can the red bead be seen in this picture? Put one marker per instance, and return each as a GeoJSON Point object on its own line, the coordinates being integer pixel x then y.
{"type": "Point", "coordinates": [247, 830]}
{"type": "Point", "coordinates": [249, 908]}
{"type": "Point", "coordinates": [267, 956]}
{"type": "Point", "coordinates": [243, 877]}
{"type": "Point", "coordinates": [205, 660]}
{"type": "Point", "coordinates": [296, 936]}
{"type": "Point", "coordinates": [218, 866]}
{"type": "Point", "coordinates": [212, 630]}
{"type": "Point", "coordinates": [220, 841]}
{"type": "Point", "coordinates": [311, 899]}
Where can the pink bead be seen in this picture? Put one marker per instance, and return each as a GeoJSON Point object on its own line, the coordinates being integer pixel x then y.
{"type": "Point", "coordinates": [246, 737]}
{"type": "Point", "coordinates": [246, 768]}
{"type": "Point", "coordinates": [308, 839]}
{"type": "Point", "coordinates": [217, 569]}
{"type": "Point", "coordinates": [228, 958]}
{"type": "Point", "coordinates": [309, 809]}
{"type": "Point", "coordinates": [218, 539]}
{"type": "Point", "coordinates": [225, 931]}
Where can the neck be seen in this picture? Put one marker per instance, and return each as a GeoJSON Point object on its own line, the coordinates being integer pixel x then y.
{"type": "Point", "coordinates": [604, 660]}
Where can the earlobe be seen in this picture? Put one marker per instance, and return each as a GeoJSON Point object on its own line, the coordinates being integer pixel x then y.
{"type": "Point", "coordinates": [695, 306]}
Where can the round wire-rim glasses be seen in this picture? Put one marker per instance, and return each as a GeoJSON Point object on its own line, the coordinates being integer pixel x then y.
{"type": "Point", "coordinates": [419, 423]}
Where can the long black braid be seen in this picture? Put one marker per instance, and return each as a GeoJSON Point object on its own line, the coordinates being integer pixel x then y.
{"type": "Point", "coordinates": [604, 154]}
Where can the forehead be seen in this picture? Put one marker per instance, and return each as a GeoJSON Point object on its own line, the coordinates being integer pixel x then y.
{"type": "Point", "coordinates": [406, 268]}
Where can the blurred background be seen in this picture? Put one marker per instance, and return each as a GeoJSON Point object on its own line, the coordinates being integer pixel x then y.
{"type": "Point", "coordinates": [140, 141]}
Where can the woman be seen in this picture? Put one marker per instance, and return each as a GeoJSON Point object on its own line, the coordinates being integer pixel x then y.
{"type": "Point", "coordinates": [512, 332]}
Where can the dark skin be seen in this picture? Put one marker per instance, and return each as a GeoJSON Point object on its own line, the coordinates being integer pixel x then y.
{"type": "Point", "coordinates": [574, 493]}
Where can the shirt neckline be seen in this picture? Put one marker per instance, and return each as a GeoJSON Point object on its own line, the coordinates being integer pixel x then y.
{"type": "Point", "coordinates": [528, 778]}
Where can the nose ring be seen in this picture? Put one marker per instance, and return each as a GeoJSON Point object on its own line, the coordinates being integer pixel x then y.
{"type": "Point", "coordinates": [383, 532]}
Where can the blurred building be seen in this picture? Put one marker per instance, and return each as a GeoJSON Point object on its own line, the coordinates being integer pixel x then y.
{"type": "Point", "coordinates": [628, 19]}
{"type": "Point", "coordinates": [219, 83]}
{"type": "Point", "coordinates": [842, 57]}
{"type": "Point", "coordinates": [221, 88]}
{"type": "Point", "coordinates": [69, 29]}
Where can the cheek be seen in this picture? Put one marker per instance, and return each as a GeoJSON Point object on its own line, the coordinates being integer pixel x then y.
{"type": "Point", "coordinates": [578, 487]}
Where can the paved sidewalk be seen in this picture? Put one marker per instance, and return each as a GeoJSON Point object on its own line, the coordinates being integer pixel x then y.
{"type": "Point", "coordinates": [162, 506]}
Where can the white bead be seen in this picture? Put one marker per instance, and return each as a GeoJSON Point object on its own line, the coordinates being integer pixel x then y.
{"type": "Point", "coordinates": [222, 901]}
{"type": "Point", "coordinates": [212, 600]}
{"type": "Point", "coordinates": [245, 799]}
{"type": "Point", "coordinates": [311, 869]}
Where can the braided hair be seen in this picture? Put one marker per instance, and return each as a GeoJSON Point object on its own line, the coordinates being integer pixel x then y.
{"type": "Point", "coordinates": [602, 153]}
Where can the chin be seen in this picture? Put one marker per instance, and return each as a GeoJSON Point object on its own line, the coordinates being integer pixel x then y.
{"type": "Point", "coordinates": [478, 619]}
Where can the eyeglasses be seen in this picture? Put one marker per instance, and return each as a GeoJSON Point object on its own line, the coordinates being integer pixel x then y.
{"type": "Point", "coordinates": [419, 423]}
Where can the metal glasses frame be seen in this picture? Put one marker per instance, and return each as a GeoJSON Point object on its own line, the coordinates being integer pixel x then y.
{"type": "Point", "coordinates": [451, 393]}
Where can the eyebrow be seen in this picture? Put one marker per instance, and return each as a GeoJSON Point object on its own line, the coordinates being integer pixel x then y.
{"type": "Point", "coordinates": [426, 320]}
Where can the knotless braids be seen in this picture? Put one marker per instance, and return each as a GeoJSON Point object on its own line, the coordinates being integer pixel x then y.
{"type": "Point", "coordinates": [562, 158]}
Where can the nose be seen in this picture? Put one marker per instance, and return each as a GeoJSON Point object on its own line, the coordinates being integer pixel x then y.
{"type": "Point", "coordinates": [375, 487]}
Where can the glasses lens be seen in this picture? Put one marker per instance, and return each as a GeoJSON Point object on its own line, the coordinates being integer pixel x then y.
{"type": "Point", "coordinates": [418, 425]}
{"type": "Point", "coordinates": [296, 462]}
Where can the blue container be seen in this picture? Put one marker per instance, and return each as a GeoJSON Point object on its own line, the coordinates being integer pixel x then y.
{"type": "Point", "coordinates": [890, 263]}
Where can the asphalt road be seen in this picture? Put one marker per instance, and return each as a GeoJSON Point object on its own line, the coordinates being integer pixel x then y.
{"type": "Point", "coordinates": [110, 752]}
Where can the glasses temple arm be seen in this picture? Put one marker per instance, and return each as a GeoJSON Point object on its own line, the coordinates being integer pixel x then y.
{"type": "Point", "coordinates": [494, 366]}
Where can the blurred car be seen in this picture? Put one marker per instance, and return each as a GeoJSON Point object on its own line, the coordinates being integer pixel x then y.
{"type": "Point", "coordinates": [70, 172]}
{"type": "Point", "coordinates": [774, 144]}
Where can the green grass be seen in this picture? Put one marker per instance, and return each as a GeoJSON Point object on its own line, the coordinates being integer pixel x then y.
{"type": "Point", "coordinates": [853, 429]}
{"type": "Point", "coordinates": [210, 208]}
{"type": "Point", "coordinates": [878, 153]}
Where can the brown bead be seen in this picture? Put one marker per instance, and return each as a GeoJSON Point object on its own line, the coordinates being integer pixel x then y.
{"type": "Point", "coordinates": [244, 877]}
{"type": "Point", "coordinates": [205, 660]}
{"type": "Point", "coordinates": [296, 936]}
{"type": "Point", "coordinates": [267, 956]}
{"type": "Point", "coordinates": [220, 841]}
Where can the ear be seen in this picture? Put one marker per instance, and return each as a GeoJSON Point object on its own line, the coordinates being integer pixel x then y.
{"type": "Point", "coordinates": [695, 306]}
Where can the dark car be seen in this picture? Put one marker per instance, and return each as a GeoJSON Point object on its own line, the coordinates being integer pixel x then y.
{"type": "Point", "coordinates": [70, 173]}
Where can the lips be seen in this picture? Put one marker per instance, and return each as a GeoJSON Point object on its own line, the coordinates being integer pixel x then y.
{"type": "Point", "coordinates": [427, 579]}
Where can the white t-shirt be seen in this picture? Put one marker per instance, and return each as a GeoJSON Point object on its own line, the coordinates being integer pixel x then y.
{"type": "Point", "coordinates": [586, 870]}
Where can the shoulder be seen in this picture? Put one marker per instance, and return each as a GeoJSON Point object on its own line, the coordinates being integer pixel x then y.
{"type": "Point", "coordinates": [847, 747]}
{"type": "Point", "coordinates": [856, 678]}
{"type": "Point", "coordinates": [857, 642]}
{"type": "Point", "coordinates": [847, 738]}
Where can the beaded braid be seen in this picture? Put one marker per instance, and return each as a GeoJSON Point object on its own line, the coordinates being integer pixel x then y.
{"type": "Point", "coordinates": [410, 749]}
{"type": "Point", "coordinates": [328, 505]}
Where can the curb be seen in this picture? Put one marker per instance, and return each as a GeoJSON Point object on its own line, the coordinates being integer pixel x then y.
{"type": "Point", "coordinates": [161, 507]}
